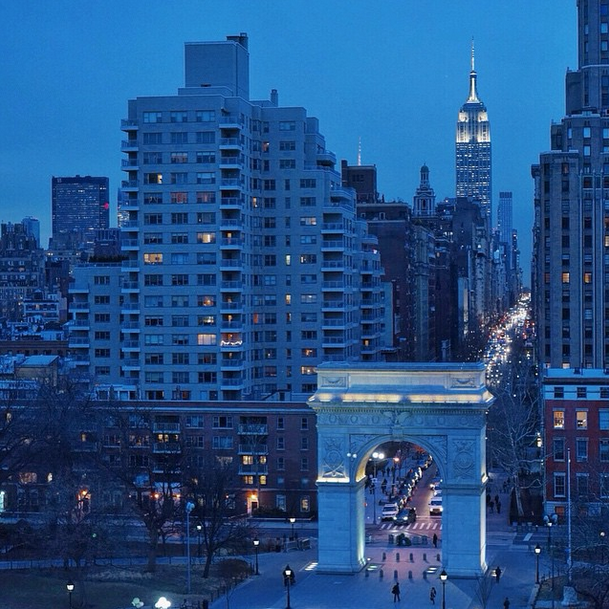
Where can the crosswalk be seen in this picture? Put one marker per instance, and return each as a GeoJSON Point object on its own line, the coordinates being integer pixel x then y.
{"type": "Point", "coordinates": [413, 526]}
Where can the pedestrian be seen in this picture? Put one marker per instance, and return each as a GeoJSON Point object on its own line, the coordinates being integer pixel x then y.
{"type": "Point", "coordinates": [506, 603]}
{"type": "Point", "coordinates": [396, 592]}
{"type": "Point", "coordinates": [496, 499]}
{"type": "Point", "coordinates": [432, 595]}
{"type": "Point", "coordinates": [497, 574]}
{"type": "Point", "coordinates": [434, 540]}
{"type": "Point", "coordinates": [491, 505]}
{"type": "Point", "coordinates": [498, 507]}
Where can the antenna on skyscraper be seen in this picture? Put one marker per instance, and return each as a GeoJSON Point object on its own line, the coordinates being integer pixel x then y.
{"type": "Point", "coordinates": [473, 66]}
{"type": "Point", "coordinates": [359, 151]}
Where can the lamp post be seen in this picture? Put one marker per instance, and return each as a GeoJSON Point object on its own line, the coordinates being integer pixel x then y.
{"type": "Point", "coordinates": [292, 520]}
{"type": "Point", "coordinates": [70, 589]}
{"type": "Point", "coordinates": [396, 462]}
{"type": "Point", "coordinates": [443, 578]}
{"type": "Point", "coordinates": [256, 544]}
{"type": "Point", "coordinates": [551, 520]}
{"type": "Point", "coordinates": [376, 457]}
{"type": "Point", "coordinates": [199, 528]}
{"type": "Point", "coordinates": [537, 551]}
{"type": "Point", "coordinates": [287, 578]}
{"type": "Point", "coordinates": [602, 536]}
{"type": "Point", "coordinates": [189, 508]}
{"type": "Point", "coordinates": [162, 603]}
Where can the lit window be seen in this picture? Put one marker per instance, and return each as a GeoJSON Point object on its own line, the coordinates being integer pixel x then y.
{"type": "Point", "coordinates": [559, 419]}
{"type": "Point", "coordinates": [566, 277]}
{"type": "Point", "coordinates": [581, 419]}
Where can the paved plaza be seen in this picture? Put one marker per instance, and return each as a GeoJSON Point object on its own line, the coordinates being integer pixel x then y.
{"type": "Point", "coordinates": [417, 570]}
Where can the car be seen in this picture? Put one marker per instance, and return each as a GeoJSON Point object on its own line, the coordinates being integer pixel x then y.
{"type": "Point", "coordinates": [435, 506]}
{"type": "Point", "coordinates": [408, 515]}
{"type": "Point", "coordinates": [390, 511]}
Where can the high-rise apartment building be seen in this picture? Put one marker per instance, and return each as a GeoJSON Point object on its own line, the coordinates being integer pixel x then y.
{"type": "Point", "coordinates": [505, 222]}
{"type": "Point", "coordinates": [244, 264]}
{"type": "Point", "coordinates": [473, 148]}
{"type": "Point", "coordinates": [79, 208]}
{"type": "Point", "coordinates": [571, 253]}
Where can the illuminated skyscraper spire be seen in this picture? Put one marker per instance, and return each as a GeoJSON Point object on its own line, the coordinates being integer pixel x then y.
{"type": "Point", "coordinates": [473, 147]}
{"type": "Point", "coordinates": [473, 93]}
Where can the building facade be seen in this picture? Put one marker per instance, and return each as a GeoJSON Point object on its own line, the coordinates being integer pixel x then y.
{"type": "Point", "coordinates": [79, 207]}
{"type": "Point", "coordinates": [473, 148]}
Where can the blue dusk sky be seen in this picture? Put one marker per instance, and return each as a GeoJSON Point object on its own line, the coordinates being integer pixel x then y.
{"type": "Point", "coordinates": [393, 73]}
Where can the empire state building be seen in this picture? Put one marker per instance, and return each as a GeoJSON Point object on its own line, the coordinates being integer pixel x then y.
{"type": "Point", "coordinates": [473, 147]}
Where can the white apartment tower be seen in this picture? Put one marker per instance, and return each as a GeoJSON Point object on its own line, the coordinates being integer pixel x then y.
{"type": "Point", "coordinates": [245, 265]}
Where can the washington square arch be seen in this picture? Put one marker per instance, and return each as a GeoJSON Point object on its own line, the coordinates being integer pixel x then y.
{"type": "Point", "coordinates": [440, 407]}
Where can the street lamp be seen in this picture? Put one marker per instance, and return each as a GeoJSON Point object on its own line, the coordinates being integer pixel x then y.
{"type": "Point", "coordinates": [602, 536]}
{"type": "Point", "coordinates": [550, 520]}
{"type": "Point", "coordinates": [199, 528]}
{"type": "Point", "coordinates": [189, 508]}
{"type": "Point", "coordinates": [292, 520]}
{"type": "Point", "coordinates": [443, 578]}
{"type": "Point", "coordinates": [256, 544]}
{"type": "Point", "coordinates": [70, 589]}
{"type": "Point", "coordinates": [537, 551]}
{"type": "Point", "coordinates": [287, 579]}
{"type": "Point", "coordinates": [376, 457]}
{"type": "Point", "coordinates": [162, 603]}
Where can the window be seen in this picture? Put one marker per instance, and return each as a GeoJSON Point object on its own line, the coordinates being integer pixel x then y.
{"type": "Point", "coordinates": [153, 280]}
{"type": "Point", "coordinates": [304, 443]}
{"type": "Point", "coordinates": [179, 339]}
{"type": "Point", "coordinates": [206, 279]}
{"type": "Point", "coordinates": [280, 443]}
{"type": "Point", "coordinates": [179, 279]}
{"type": "Point", "coordinates": [222, 422]}
{"type": "Point", "coordinates": [581, 419]}
{"type": "Point", "coordinates": [206, 158]}
{"type": "Point", "coordinates": [102, 317]}
{"type": "Point", "coordinates": [180, 359]}
{"type": "Point", "coordinates": [153, 218]}
{"type": "Point", "coordinates": [101, 280]}
{"type": "Point", "coordinates": [559, 419]}
{"type": "Point", "coordinates": [305, 504]}
{"type": "Point", "coordinates": [103, 299]}
{"type": "Point", "coordinates": [179, 157]}
{"type": "Point", "coordinates": [152, 117]}
{"type": "Point", "coordinates": [178, 116]}
{"type": "Point", "coordinates": [206, 237]}
{"type": "Point", "coordinates": [280, 422]}
{"type": "Point", "coordinates": [206, 137]}
{"type": "Point", "coordinates": [102, 353]}
{"type": "Point", "coordinates": [308, 183]}
{"type": "Point", "coordinates": [287, 125]}
{"type": "Point", "coordinates": [222, 442]}
{"type": "Point", "coordinates": [179, 218]}
{"type": "Point", "coordinates": [206, 258]}
{"type": "Point", "coordinates": [206, 116]}
{"type": "Point", "coordinates": [286, 145]}
{"type": "Point", "coordinates": [206, 339]}
{"type": "Point", "coordinates": [206, 197]}
{"type": "Point", "coordinates": [560, 484]}
{"type": "Point", "coordinates": [154, 339]}
{"type": "Point", "coordinates": [180, 377]}
{"type": "Point", "coordinates": [179, 321]}
{"type": "Point", "coordinates": [581, 485]}
{"type": "Point", "coordinates": [207, 377]}
{"type": "Point", "coordinates": [281, 464]}
{"type": "Point", "coordinates": [153, 258]}
{"type": "Point", "coordinates": [179, 238]}
{"type": "Point", "coordinates": [308, 201]}
{"type": "Point", "coordinates": [603, 450]}
{"type": "Point", "coordinates": [287, 164]}
{"type": "Point", "coordinates": [195, 420]}
{"type": "Point", "coordinates": [582, 392]}
{"type": "Point", "coordinates": [152, 158]}
{"type": "Point", "coordinates": [179, 137]}
{"type": "Point", "coordinates": [308, 221]}
{"type": "Point", "coordinates": [308, 258]}
{"type": "Point", "coordinates": [153, 138]}
{"type": "Point", "coordinates": [153, 320]}
{"type": "Point", "coordinates": [304, 464]}
{"type": "Point", "coordinates": [206, 300]}
{"type": "Point", "coordinates": [559, 392]}
{"type": "Point", "coordinates": [178, 177]}
{"type": "Point", "coordinates": [603, 419]}
{"type": "Point", "coordinates": [581, 449]}
{"type": "Point", "coordinates": [153, 238]}
{"type": "Point", "coordinates": [206, 217]}
{"type": "Point", "coordinates": [558, 448]}
{"type": "Point", "coordinates": [206, 177]}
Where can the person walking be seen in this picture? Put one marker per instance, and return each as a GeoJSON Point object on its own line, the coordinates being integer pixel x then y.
{"type": "Point", "coordinates": [432, 595]}
{"type": "Point", "coordinates": [434, 540]}
{"type": "Point", "coordinates": [498, 507]}
{"type": "Point", "coordinates": [506, 603]}
{"type": "Point", "coordinates": [497, 574]}
{"type": "Point", "coordinates": [396, 592]}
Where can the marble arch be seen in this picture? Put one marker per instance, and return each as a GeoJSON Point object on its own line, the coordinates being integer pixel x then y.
{"type": "Point", "coordinates": [442, 408]}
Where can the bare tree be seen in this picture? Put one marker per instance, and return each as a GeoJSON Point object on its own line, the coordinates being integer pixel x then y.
{"type": "Point", "coordinates": [514, 423]}
{"type": "Point", "coordinates": [484, 587]}
{"type": "Point", "coordinates": [209, 486]}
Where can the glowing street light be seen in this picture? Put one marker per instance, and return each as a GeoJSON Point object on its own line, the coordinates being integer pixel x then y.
{"type": "Point", "coordinates": [443, 578]}
{"type": "Point", "coordinates": [537, 551]}
{"type": "Point", "coordinates": [70, 589]}
{"type": "Point", "coordinates": [256, 544]}
{"type": "Point", "coordinates": [162, 603]}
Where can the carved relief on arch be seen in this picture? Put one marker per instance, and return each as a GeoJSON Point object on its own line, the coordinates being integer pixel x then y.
{"type": "Point", "coordinates": [333, 457]}
{"type": "Point", "coordinates": [436, 445]}
{"type": "Point", "coordinates": [463, 459]}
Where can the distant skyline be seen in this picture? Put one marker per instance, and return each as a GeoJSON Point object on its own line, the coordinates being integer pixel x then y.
{"type": "Point", "coordinates": [393, 74]}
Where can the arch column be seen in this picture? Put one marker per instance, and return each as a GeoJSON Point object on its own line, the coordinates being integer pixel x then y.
{"type": "Point", "coordinates": [341, 527]}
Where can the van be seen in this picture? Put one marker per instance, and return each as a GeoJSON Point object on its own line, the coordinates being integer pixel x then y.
{"type": "Point", "coordinates": [435, 506]}
{"type": "Point", "coordinates": [390, 511]}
